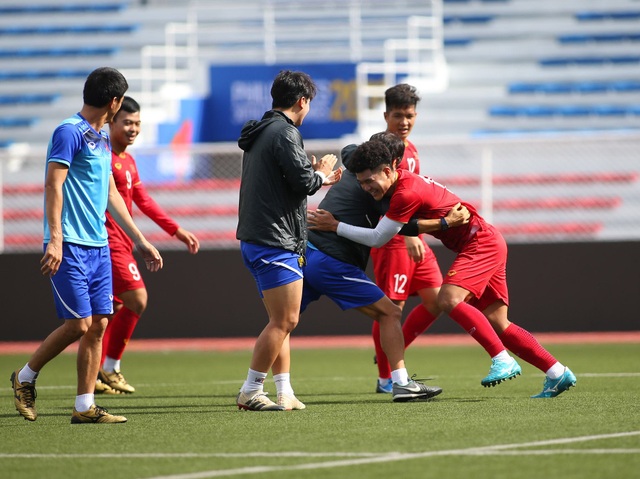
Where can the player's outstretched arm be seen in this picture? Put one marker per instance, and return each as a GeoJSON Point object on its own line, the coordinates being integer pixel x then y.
{"type": "Point", "coordinates": [118, 210]}
{"type": "Point", "coordinates": [188, 238]}
{"type": "Point", "coordinates": [376, 237]}
{"type": "Point", "coordinates": [458, 215]}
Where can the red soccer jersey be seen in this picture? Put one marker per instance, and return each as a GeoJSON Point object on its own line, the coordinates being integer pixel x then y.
{"type": "Point", "coordinates": [125, 174]}
{"type": "Point", "coordinates": [418, 196]}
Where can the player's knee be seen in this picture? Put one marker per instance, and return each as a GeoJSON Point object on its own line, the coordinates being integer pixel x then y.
{"type": "Point", "coordinates": [391, 314]}
{"type": "Point", "coordinates": [447, 302]}
{"type": "Point", "coordinates": [75, 329]}
{"type": "Point", "coordinates": [291, 324]}
{"type": "Point", "coordinates": [138, 307]}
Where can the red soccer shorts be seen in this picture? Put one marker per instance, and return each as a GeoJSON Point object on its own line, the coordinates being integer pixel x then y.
{"type": "Point", "coordinates": [481, 268]}
{"type": "Point", "coordinates": [399, 277]}
{"type": "Point", "coordinates": [126, 275]}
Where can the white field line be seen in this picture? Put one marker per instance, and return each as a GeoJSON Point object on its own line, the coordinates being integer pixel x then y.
{"type": "Point", "coordinates": [353, 459]}
{"type": "Point", "coordinates": [397, 456]}
{"type": "Point", "coordinates": [393, 457]}
{"type": "Point", "coordinates": [273, 455]}
{"type": "Point", "coordinates": [307, 380]}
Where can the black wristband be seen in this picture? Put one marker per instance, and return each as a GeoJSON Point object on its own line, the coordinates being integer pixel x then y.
{"type": "Point", "coordinates": [444, 226]}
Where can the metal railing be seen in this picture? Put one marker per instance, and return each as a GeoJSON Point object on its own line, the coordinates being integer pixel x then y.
{"type": "Point", "coordinates": [535, 190]}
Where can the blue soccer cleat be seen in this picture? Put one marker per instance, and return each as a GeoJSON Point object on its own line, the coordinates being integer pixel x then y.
{"type": "Point", "coordinates": [384, 388]}
{"type": "Point", "coordinates": [501, 371]}
{"type": "Point", "coordinates": [554, 387]}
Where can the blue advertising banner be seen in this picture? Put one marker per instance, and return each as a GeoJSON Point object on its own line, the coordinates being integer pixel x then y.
{"type": "Point", "coordinates": [242, 92]}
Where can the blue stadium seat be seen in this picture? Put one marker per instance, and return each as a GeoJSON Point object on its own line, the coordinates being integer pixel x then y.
{"type": "Point", "coordinates": [547, 87]}
{"type": "Point", "coordinates": [563, 110]}
{"type": "Point", "coordinates": [67, 29]}
{"type": "Point", "coordinates": [527, 132]}
{"type": "Point", "coordinates": [472, 19]}
{"type": "Point", "coordinates": [63, 8]}
{"type": "Point", "coordinates": [469, 1]}
{"type": "Point", "coordinates": [625, 85]}
{"type": "Point", "coordinates": [458, 42]}
{"type": "Point", "coordinates": [599, 37]}
{"type": "Point", "coordinates": [619, 86]}
{"type": "Point", "coordinates": [57, 52]}
{"type": "Point", "coordinates": [588, 60]}
{"type": "Point", "coordinates": [42, 74]}
{"type": "Point", "coordinates": [23, 99]}
{"type": "Point", "coordinates": [17, 122]}
{"type": "Point", "coordinates": [572, 110]}
{"type": "Point", "coordinates": [613, 15]}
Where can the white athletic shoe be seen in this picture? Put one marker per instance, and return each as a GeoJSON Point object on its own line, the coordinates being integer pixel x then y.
{"type": "Point", "coordinates": [290, 402]}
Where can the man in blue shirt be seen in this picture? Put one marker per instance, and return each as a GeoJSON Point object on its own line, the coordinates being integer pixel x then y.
{"type": "Point", "coordinates": [79, 188]}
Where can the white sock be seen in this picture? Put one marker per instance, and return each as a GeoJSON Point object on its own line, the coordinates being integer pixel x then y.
{"type": "Point", "coordinates": [382, 381]}
{"type": "Point", "coordinates": [555, 371]}
{"type": "Point", "coordinates": [400, 376]}
{"type": "Point", "coordinates": [27, 375]}
{"type": "Point", "coordinates": [254, 382]}
{"type": "Point", "coordinates": [111, 365]}
{"type": "Point", "coordinates": [283, 383]}
{"type": "Point", "coordinates": [502, 355]}
{"type": "Point", "coordinates": [84, 402]}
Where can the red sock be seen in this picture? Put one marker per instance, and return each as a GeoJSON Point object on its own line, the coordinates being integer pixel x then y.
{"type": "Point", "coordinates": [124, 322]}
{"type": "Point", "coordinates": [418, 321]}
{"type": "Point", "coordinates": [105, 342]}
{"type": "Point", "coordinates": [522, 343]}
{"type": "Point", "coordinates": [474, 323]}
{"type": "Point", "coordinates": [384, 370]}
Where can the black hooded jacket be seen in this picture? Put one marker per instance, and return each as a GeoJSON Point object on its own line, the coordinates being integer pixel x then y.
{"type": "Point", "coordinates": [276, 179]}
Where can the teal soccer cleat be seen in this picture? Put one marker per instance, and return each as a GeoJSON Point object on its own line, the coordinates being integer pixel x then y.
{"type": "Point", "coordinates": [384, 388]}
{"type": "Point", "coordinates": [554, 387]}
{"type": "Point", "coordinates": [501, 371]}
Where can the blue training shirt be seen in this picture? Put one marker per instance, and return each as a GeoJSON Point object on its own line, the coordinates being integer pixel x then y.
{"type": "Point", "coordinates": [85, 191]}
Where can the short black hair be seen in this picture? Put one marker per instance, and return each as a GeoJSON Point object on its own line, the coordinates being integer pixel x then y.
{"type": "Point", "coordinates": [102, 85]}
{"type": "Point", "coordinates": [129, 105]}
{"type": "Point", "coordinates": [393, 142]}
{"type": "Point", "coordinates": [401, 96]}
{"type": "Point", "coordinates": [369, 156]}
{"type": "Point", "coordinates": [289, 86]}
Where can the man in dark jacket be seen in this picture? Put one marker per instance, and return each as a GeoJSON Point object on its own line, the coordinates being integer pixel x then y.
{"type": "Point", "coordinates": [336, 268]}
{"type": "Point", "coordinates": [276, 179]}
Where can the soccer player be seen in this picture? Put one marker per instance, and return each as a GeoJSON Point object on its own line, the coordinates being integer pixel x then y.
{"type": "Point", "coordinates": [276, 179]}
{"type": "Point", "coordinates": [79, 188]}
{"type": "Point", "coordinates": [335, 268]}
{"type": "Point", "coordinates": [130, 293]}
{"type": "Point", "coordinates": [406, 265]}
{"type": "Point", "coordinates": [475, 286]}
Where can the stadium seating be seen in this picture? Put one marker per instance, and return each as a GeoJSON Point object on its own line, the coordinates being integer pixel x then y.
{"type": "Point", "coordinates": [509, 50]}
{"type": "Point", "coordinates": [491, 47]}
{"type": "Point", "coordinates": [518, 68]}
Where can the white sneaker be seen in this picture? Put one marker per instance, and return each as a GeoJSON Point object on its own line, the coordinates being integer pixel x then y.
{"type": "Point", "coordinates": [290, 402]}
{"type": "Point", "coordinates": [256, 401]}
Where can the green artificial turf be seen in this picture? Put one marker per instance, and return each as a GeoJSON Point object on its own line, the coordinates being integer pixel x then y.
{"type": "Point", "coordinates": [183, 422]}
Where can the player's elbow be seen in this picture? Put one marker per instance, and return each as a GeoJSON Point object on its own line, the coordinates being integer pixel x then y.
{"type": "Point", "coordinates": [378, 243]}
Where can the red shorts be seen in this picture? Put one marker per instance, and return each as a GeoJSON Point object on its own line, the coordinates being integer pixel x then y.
{"type": "Point", "coordinates": [126, 275]}
{"type": "Point", "coordinates": [481, 268]}
{"type": "Point", "coordinates": [399, 277]}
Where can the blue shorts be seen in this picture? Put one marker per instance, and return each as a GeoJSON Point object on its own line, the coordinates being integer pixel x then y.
{"type": "Point", "coordinates": [82, 286]}
{"type": "Point", "coordinates": [345, 284]}
{"type": "Point", "coordinates": [271, 267]}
